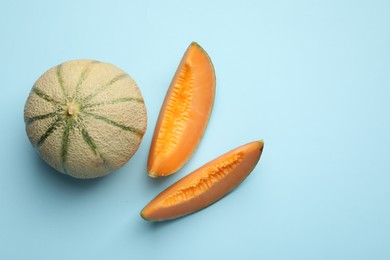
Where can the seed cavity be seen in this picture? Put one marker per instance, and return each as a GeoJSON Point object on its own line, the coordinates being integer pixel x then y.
{"type": "Point", "coordinates": [177, 111]}
{"type": "Point", "coordinates": [209, 178]}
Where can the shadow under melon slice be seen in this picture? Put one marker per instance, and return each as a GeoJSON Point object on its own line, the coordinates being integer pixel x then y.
{"type": "Point", "coordinates": [184, 114]}
{"type": "Point", "coordinates": [205, 185]}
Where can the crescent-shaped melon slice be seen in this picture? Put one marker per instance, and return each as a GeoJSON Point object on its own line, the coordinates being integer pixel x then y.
{"type": "Point", "coordinates": [184, 114]}
{"type": "Point", "coordinates": [205, 185]}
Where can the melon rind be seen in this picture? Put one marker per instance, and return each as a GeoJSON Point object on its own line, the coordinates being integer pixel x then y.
{"type": "Point", "coordinates": [85, 118]}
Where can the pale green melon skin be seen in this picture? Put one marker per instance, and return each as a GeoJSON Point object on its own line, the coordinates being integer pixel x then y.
{"type": "Point", "coordinates": [85, 118]}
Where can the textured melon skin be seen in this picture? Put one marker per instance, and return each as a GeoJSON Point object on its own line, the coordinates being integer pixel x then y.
{"type": "Point", "coordinates": [85, 118]}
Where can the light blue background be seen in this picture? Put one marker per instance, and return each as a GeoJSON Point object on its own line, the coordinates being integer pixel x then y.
{"type": "Point", "coordinates": [312, 78]}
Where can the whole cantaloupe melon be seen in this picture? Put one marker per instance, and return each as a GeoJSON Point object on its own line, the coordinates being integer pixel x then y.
{"type": "Point", "coordinates": [85, 118]}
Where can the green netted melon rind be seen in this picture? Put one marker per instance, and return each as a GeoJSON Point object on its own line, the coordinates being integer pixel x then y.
{"type": "Point", "coordinates": [85, 118]}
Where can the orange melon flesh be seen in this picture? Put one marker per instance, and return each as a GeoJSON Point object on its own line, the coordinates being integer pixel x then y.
{"type": "Point", "coordinates": [205, 185]}
{"type": "Point", "coordinates": [184, 114]}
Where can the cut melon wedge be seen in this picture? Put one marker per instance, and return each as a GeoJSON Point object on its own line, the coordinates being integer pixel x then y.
{"type": "Point", "coordinates": [205, 185]}
{"type": "Point", "coordinates": [184, 114]}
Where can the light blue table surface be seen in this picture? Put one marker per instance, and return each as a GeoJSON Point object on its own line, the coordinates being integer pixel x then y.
{"type": "Point", "coordinates": [311, 78]}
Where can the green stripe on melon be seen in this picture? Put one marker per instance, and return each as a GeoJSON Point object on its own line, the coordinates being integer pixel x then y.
{"type": "Point", "coordinates": [86, 118]}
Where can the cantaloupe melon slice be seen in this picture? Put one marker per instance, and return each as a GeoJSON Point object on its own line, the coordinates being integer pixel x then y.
{"type": "Point", "coordinates": [205, 185]}
{"type": "Point", "coordinates": [184, 114]}
{"type": "Point", "coordinates": [85, 118]}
